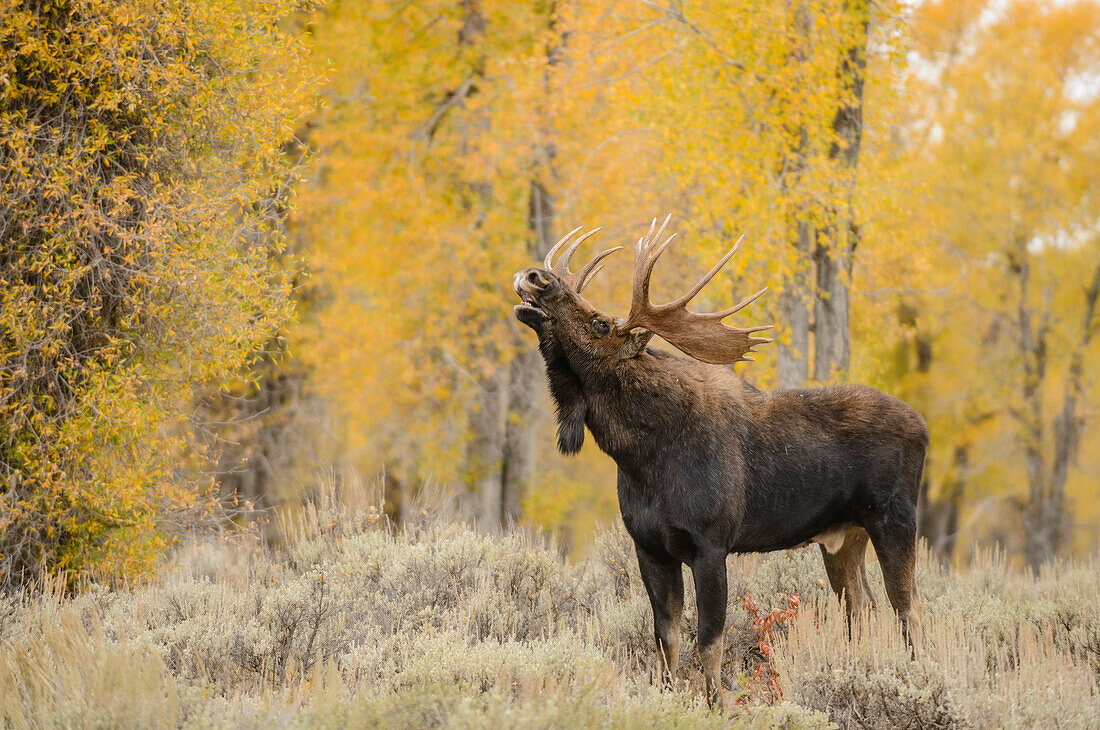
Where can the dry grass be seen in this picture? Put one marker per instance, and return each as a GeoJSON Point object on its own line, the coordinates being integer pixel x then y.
{"type": "Point", "coordinates": [352, 626]}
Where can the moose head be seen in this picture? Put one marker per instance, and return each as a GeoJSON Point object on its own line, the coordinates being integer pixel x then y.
{"type": "Point", "coordinates": [552, 305]}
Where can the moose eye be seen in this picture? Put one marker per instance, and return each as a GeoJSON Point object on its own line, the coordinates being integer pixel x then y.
{"type": "Point", "coordinates": [600, 327]}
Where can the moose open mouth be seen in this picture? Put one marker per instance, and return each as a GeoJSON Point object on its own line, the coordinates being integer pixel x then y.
{"type": "Point", "coordinates": [528, 307]}
{"type": "Point", "coordinates": [522, 286]}
{"type": "Point", "coordinates": [529, 312]}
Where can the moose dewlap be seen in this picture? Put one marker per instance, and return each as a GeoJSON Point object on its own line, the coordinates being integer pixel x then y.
{"type": "Point", "coordinates": [709, 465]}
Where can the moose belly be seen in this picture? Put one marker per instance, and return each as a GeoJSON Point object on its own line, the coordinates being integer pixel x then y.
{"type": "Point", "coordinates": [780, 524]}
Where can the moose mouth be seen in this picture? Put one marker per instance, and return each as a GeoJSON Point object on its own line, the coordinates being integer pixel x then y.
{"type": "Point", "coordinates": [529, 304]}
{"type": "Point", "coordinates": [529, 300]}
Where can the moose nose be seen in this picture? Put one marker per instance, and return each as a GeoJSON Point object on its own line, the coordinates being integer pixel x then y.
{"type": "Point", "coordinates": [531, 280]}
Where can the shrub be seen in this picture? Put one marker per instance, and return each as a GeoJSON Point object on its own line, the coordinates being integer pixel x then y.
{"type": "Point", "coordinates": [902, 696]}
{"type": "Point", "coordinates": [139, 157]}
{"type": "Point", "coordinates": [352, 625]}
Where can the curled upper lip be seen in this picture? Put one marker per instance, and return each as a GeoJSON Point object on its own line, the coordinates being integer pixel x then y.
{"type": "Point", "coordinates": [525, 290]}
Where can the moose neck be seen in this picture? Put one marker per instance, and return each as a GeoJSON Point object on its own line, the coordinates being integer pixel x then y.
{"type": "Point", "coordinates": [631, 407]}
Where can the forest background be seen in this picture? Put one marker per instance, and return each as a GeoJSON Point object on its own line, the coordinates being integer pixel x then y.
{"type": "Point", "coordinates": [248, 243]}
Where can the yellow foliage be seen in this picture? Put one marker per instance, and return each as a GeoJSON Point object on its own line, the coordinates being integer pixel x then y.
{"type": "Point", "coordinates": [417, 204]}
{"type": "Point", "coordinates": [139, 152]}
{"type": "Point", "coordinates": [142, 188]}
{"type": "Point", "coordinates": [997, 214]}
{"type": "Point", "coordinates": [417, 211]}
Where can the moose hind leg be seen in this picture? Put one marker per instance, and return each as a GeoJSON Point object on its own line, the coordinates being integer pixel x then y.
{"type": "Point", "coordinates": [895, 541]}
{"type": "Point", "coordinates": [845, 567]}
{"type": "Point", "coordinates": [664, 582]}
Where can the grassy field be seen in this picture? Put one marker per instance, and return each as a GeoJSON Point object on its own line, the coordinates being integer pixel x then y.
{"type": "Point", "coordinates": [438, 626]}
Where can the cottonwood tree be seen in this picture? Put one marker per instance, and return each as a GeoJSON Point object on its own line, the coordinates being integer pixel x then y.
{"type": "Point", "coordinates": [755, 119]}
{"type": "Point", "coordinates": [1009, 148]}
{"type": "Point", "coordinates": [461, 138]}
{"type": "Point", "coordinates": [434, 177]}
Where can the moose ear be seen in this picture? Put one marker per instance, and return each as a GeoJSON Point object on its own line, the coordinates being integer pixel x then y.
{"type": "Point", "coordinates": [636, 342]}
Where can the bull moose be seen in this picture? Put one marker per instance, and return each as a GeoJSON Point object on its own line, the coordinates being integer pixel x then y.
{"type": "Point", "coordinates": [709, 465]}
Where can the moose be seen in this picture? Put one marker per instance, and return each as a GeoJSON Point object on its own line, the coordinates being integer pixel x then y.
{"type": "Point", "coordinates": [708, 464]}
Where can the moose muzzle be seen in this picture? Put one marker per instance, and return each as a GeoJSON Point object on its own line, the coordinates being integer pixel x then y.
{"type": "Point", "coordinates": [528, 284]}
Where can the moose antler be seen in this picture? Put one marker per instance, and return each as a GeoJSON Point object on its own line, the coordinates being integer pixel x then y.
{"type": "Point", "coordinates": [579, 280]}
{"type": "Point", "coordinates": [703, 336]}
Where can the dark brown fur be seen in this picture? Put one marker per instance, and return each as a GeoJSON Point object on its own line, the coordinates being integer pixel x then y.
{"type": "Point", "coordinates": [708, 465]}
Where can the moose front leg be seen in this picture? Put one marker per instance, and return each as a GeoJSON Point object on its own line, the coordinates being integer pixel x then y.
{"type": "Point", "coordinates": [664, 582]}
{"type": "Point", "coordinates": [709, 572]}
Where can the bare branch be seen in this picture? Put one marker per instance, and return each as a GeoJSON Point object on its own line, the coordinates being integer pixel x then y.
{"type": "Point", "coordinates": [679, 17]}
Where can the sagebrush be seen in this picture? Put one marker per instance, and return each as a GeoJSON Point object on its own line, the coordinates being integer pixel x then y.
{"type": "Point", "coordinates": [435, 625]}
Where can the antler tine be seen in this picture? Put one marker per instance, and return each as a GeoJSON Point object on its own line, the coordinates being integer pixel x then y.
{"type": "Point", "coordinates": [644, 261]}
{"type": "Point", "coordinates": [705, 278]}
{"type": "Point", "coordinates": [589, 270]}
{"type": "Point", "coordinates": [549, 260]}
{"type": "Point", "coordinates": [758, 340]}
{"type": "Point", "coordinates": [703, 335]}
{"type": "Point", "coordinates": [652, 254]}
{"type": "Point", "coordinates": [646, 241]}
{"type": "Point", "coordinates": [562, 267]}
{"type": "Point", "coordinates": [646, 237]}
{"type": "Point", "coordinates": [653, 237]}
{"type": "Point", "coordinates": [754, 341]}
{"type": "Point", "coordinates": [583, 282]}
{"type": "Point", "coordinates": [737, 307]}
{"type": "Point", "coordinates": [571, 243]}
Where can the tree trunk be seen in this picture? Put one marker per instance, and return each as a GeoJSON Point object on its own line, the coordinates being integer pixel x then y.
{"type": "Point", "coordinates": [526, 372]}
{"type": "Point", "coordinates": [520, 434]}
{"type": "Point", "coordinates": [485, 453]}
{"type": "Point", "coordinates": [837, 242]}
{"type": "Point", "coordinates": [938, 520]}
{"type": "Point", "coordinates": [1040, 531]}
{"type": "Point", "coordinates": [521, 423]}
{"type": "Point", "coordinates": [832, 346]}
{"type": "Point", "coordinates": [394, 499]}
{"type": "Point", "coordinates": [794, 356]}
{"type": "Point", "coordinates": [1046, 516]}
{"type": "Point", "coordinates": [485, 450]}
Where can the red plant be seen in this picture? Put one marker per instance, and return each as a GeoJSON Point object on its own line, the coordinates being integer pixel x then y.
{"type": "Point", "coordinates": [765, 679]}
